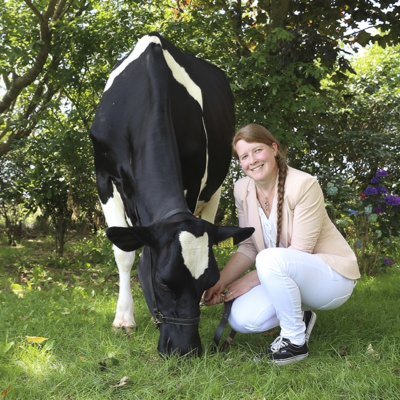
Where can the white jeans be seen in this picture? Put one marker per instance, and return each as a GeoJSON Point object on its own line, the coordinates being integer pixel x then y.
{"type": "Point", "coordinates": [291, 281]}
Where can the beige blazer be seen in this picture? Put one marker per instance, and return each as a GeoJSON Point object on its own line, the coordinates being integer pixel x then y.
{"type": "Point", "coordinates": [305, 223]}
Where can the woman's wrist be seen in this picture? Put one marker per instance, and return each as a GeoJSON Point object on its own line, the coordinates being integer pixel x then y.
{"type": "Point", "coordinates": [222, 281]}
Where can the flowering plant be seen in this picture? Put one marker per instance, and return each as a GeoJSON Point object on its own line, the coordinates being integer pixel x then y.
{"type": "Point", "coordinates": [376, 225]}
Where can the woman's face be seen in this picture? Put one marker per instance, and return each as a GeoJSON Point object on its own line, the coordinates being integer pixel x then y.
{"type": "Point", "coordinates": [257, 160]}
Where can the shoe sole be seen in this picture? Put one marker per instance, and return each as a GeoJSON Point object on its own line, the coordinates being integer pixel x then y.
{"type": "Point", "coordinates": [310, 326]}
{"type": "Point", "coordinates": [290, 360]}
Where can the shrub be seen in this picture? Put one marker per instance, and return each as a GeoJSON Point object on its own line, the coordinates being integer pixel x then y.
{"type": "Point", "coordinates": [373, 225]}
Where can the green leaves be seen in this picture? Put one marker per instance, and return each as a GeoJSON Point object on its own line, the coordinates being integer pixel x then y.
{"type": "Point", "coordinates": [18, 290]}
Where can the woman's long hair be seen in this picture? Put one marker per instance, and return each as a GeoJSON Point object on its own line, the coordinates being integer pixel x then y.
{"type": "Point", "coordinates": [254, 133]}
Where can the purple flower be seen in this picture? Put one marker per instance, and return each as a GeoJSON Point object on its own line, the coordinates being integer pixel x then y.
{"type": "Point", "coordinates": [393, 200]}
{"type": "Point", "coordinates": [375, 180]}
{"type": "Point", "coordinates": [388, 262]}
{"type": "Point", "coordinates": [380, 174]}
{"type": "Point", "coordinates": [370, 191]}
{"type": "Point", "coordinates": [382, 190]}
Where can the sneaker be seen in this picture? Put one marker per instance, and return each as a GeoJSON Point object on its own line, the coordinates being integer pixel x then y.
{"type": "Point", "coordinates": [282, 351]}
{"type": "Point", "coordinates": [309, 319]}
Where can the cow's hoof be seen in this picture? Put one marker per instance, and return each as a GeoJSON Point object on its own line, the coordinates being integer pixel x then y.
{"type": "Point", "coordinates": [127, 330]}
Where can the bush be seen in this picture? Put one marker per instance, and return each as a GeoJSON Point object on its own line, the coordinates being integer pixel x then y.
{"type": "Point", "coordinates": [372, 225]}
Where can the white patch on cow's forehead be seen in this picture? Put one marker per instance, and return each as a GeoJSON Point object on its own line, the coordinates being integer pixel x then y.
{"type": "Point", "coordinates": [194, 252]}
{"type": "Point", "coordinates": [140, 47]}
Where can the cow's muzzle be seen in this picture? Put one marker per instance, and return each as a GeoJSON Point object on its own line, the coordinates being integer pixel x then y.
{"type": "Point", "coordinates": [180, 340]}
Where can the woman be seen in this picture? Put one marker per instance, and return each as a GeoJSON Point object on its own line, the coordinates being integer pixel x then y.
{"type": "Point", "coordinates": [302, 261]}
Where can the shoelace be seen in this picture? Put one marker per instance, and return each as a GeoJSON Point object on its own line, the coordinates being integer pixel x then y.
{"type": "Point", "coordinates": [278, 343]}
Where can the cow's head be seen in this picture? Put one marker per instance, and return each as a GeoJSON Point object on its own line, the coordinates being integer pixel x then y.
{"type": "Point", "coordinates": [177, 266]}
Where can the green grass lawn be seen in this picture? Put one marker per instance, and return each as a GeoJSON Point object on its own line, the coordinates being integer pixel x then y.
{"type": "Point", "coordinates": [354, 351]}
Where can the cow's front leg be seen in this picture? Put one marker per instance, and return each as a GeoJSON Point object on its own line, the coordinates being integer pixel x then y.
{"type": "Point", "coordinates": [124, 316]}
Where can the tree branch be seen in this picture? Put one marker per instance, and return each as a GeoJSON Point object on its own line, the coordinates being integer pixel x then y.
{"type": "Point", "coordinates": [21, 82]}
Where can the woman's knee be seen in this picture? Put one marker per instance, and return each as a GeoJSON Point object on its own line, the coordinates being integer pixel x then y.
{"type": "Point", "coordinates": [244, 317]}
{"type": "Point", "coordinates": [246, 321]}
{"type": "Point", "coordinates": [239, 321]}
{"type": "Point", "coordinates": [270, 260]}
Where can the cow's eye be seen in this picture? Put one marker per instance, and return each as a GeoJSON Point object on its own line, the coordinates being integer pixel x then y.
{"type": "Point", "coordinates": [164, 286]}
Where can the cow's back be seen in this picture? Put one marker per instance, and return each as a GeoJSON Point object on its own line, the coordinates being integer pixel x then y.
{"type": "Point", "coordinates": [168, 109]}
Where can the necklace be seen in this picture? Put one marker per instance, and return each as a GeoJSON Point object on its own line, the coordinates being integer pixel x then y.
{"type": "Point", "coordinates": [265, 200]}
{"type": "Point", "coordinates": [266, 204]}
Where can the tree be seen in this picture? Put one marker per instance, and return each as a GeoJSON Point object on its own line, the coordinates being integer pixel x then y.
{"type": "Point", "coordinates": [49, 119]}
{"type": "Point", "coordinates": [284, 44]}
{"type": "Point", "coordinates": [358, 131]}
{"type": "Point", "coordinates": [30, 64]}
{"type": "Point", "coordinates": [276, 54]}
{"type": "Point", "coordinates": [12, 197]}
{"type": "Point", "coordinates": [60, 180]}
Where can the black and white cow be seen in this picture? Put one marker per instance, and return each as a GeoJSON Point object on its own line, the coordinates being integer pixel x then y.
{"type": "Point", "coordinates": [162, 146]}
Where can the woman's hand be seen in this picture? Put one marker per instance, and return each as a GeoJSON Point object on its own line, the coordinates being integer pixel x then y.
{"type": "Point", "coordinates": [220, 293]}
{"type": "Point", "coordinates": [236, 266]}
{"type": "Point", "coordinates": [214, 295]}
{"type": "Point", "coordinates": [241, 286]}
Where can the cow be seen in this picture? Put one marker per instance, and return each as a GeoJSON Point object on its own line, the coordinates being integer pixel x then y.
{"type": "Point", "coordinates": [162, 147]}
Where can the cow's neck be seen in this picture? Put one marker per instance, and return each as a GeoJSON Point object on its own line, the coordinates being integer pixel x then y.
{"type": "Point", "coordinates": [159, 184]}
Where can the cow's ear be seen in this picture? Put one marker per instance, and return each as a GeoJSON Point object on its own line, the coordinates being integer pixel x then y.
{"type": "Point", "coordinates": [131, 238]}
{"type": "Point", "coordinates": [238, 234]}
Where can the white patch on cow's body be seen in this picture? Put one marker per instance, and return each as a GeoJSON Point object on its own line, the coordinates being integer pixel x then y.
{"type": "Point", "coordinates": [208, 211]}
{"type": "Point", "coordinates": [205, 176]}
{"type": "Point", "coordinates": [194, 252]}
{"type": "Point", "coordinates": [140, 47]}
{"type": "Point", "coordinates": [180, 74]}
{"type": "Point", "coordinates": [114, 213]}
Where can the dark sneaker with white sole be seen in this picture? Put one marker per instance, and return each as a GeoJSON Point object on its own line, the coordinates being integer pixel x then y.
{"type": "Point", "coordinates": [282, 351]}
{"type": "Point", "coordinates": [309, 319]}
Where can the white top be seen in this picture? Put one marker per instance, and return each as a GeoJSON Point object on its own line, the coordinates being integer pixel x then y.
{"type": "Point", "coordinates": [268, 225]}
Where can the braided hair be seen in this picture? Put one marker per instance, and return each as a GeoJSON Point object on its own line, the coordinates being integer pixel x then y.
{"type": "Point", "coordinates": [254, 133]}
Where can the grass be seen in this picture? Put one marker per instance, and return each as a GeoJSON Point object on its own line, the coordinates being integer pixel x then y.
{"type": "Point", "coordinates": [354, 351]}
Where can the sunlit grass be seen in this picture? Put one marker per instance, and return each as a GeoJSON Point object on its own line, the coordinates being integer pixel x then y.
{"type": "Point", "coordinates": [354, 352]}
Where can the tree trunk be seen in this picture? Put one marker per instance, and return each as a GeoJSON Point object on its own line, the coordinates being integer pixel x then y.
{"type": "Point", "coordinates": [60, 235]}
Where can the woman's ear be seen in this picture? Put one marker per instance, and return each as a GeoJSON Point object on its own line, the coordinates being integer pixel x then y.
{"type": "Point", "coordinates": [275, 146]}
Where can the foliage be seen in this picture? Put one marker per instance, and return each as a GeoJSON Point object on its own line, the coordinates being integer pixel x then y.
{"type": "Point", "coordinates": [73, 45]}
{"type": "Point", "coordinates": [359, 127]}
{"type": "Point", "coordinates": [31, 63]}
{"type": "Point", "coordinates": [227, 213]}
{"type": "Point", "coordinates": [57, 180]}
{"type": "Point", "coordinates": [276, 53]}
{"type": "Point", "coordinates": [372, 223]}
{"type": "Point", "coordinates": [38, 267]}
{"type": "Point", "coordinates": [12, 198]}
{"type": "Point", "coordinates": [357, 135]}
